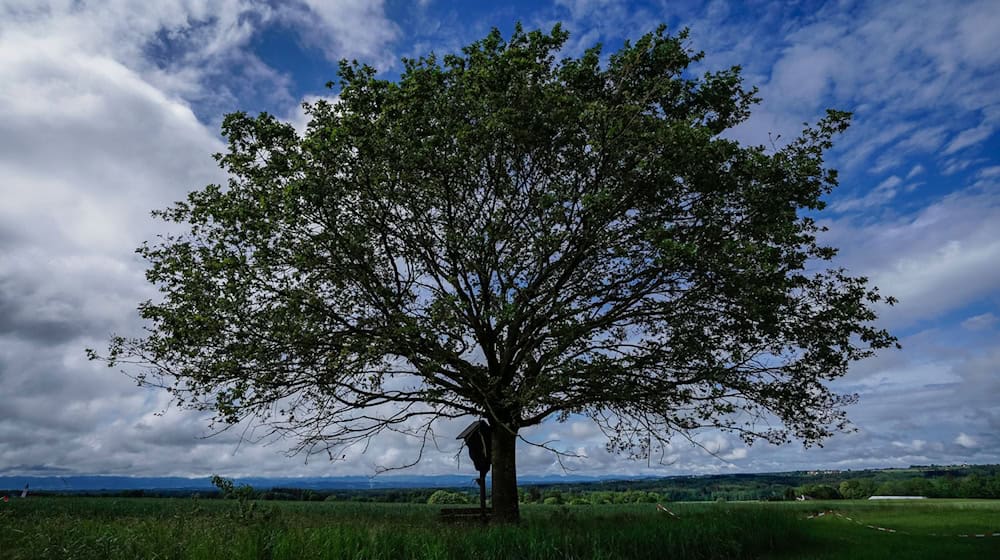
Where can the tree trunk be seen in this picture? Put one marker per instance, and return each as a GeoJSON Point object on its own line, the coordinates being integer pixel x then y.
{"type": "Point", "coordinates": [505, 506]}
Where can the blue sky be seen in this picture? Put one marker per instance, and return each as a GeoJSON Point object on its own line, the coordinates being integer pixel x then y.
{"type": "Point", "coordinates": [110, 109]}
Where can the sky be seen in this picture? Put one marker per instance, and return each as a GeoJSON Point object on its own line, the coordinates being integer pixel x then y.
{"type": "Point", "coordinates": [111, 109]}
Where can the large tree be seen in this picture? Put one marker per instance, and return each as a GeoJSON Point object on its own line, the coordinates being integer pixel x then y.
{"type": "Point", "coordinates": [507, 235]}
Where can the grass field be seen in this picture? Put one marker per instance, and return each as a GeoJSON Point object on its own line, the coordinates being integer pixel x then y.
{"type": "Point", "coordinates": [131, 528]}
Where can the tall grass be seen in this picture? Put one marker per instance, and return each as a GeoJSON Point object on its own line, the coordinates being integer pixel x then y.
{"type": "Point", "coordinates": [102, 528]}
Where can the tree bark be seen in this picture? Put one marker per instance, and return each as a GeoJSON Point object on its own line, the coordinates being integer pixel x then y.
{"type": "Point", "coordinates": [505, 505]}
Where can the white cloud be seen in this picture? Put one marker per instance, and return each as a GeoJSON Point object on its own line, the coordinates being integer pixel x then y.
{"type": "Point", "coordinates": [804, 74]}
{"type": "Point", "coordinates": [934, 259]}
{"type": "Point", "coordinates": [97, 129]}
{"type": "Point", "coordinates": [902, 68]}
{"type": "Point", "coordinates": [88, 145]}
{"type": "Point", "coordinates": [980, 322]}
{"type": "Point", "coordinates": [990, 172]}
{"type": "Point", "coordinates": [954, 272]}
{"type": "Point", "coordinates": [916, 445]}
{"type": "Point", "coordinates": [173, 45]}
{"type": "Point", "coordinates": [966, 441]}
{"type": "Point", "coordinates": [737, 454]}
{"type": "Point", "coordinates": [881, 194]}
{"type": "Point", "coordinates": [970, 137]}
{"type": "Point", "coordinates": [344, 28]}
{"type": "Point", "coordinates": [955, 165]}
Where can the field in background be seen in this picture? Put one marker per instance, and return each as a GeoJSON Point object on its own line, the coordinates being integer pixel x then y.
{"type": "Point", "coordinates": [73, 527]}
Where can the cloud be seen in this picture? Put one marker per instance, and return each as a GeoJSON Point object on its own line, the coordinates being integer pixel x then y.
{"type": "Point", "coordinates": [990, 172]}
{"type": "Point", "coordinates": [805, 73]}
{"type": "Point", "coordinates": [980, 322]}
{"type": "Point", "coordinates": [736, 454]}
{"type": "Point", "coordinates": [87, 148]}
{"type": "Point", "coordinates": [189, 50]}
{"type": "Point", "coordinates": [593, 21]}
{"type": "Point", "coordinates": [966, 441]}
{"type": "Point", "coordinates": [948, 378]}
{"type": "Point", "coordinates": [913, 75]}
{"type": "Point", "coordinates": [881, 194]}
{"type": "Point", "coordinates": [99, 124]}
{"type": "Point", "coordinates": [916, 445]}
{"type": "Point", "coordinates": [344, 28]}
{"type": "Point", "coordinates": [916, 170]}
{"type": "Point", "coordinates": [970, 137]}
{"type": "Point", "coordinates": [934, 259]}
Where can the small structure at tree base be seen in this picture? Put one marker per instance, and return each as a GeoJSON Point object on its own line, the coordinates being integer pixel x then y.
{"type": "Point", "coordinates": [479, 441]}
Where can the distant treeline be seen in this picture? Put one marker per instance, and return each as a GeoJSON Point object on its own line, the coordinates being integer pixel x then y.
{"type": "Point", "coordinates": [967, 481]}
{"type": "Point", "coordinates": [975, 481]}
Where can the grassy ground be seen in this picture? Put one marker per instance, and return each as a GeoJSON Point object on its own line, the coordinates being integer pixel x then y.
{"type": "Point", "coordinates": [184, 528]}
{"type": "Point", "coordinates": [928, 529]}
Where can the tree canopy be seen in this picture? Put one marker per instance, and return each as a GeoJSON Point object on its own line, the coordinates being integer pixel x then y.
{"type": "Point", "coordinates": [507, 234]}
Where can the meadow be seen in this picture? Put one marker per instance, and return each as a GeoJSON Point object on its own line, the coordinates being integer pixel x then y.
{"type": "Point", "coordinates": [167, 528]}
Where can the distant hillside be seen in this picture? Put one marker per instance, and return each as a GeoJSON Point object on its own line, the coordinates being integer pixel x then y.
{"type": "Point", "coordinates": [117, 483]}
{"type": "Point", "coordinates": [961, 481]}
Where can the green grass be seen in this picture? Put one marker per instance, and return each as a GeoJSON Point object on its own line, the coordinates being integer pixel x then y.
{"type": "Point", "coordinates": [111, 528]}
{"type": "Point", "coordinates": [914, 523]}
